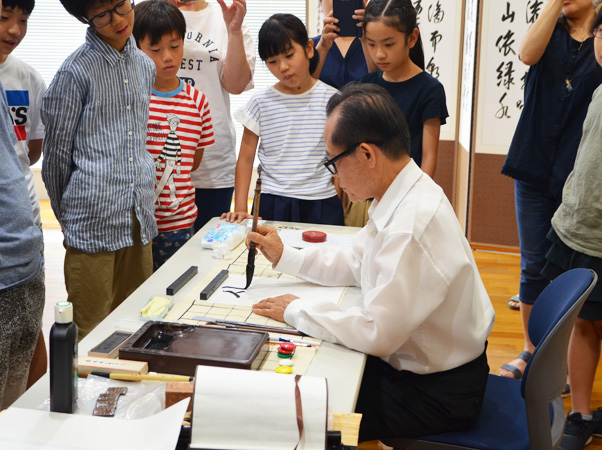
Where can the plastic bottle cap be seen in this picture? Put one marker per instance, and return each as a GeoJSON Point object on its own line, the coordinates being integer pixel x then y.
{"type": "Point", "coordinates": [285, 351]}
{"type": "Point", "coordinates": [63, 312]}
{"type": "Point", "coordinates": [284, 369]}
{"type": "Point", "coordinates": [287, 346]}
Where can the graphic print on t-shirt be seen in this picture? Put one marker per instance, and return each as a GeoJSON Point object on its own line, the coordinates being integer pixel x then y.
{"type": "Point", "coordinates": [196, 63]}
{"type": "Point", "coordinates": [171, 157]}
{"type": "Point", "coordinates": [18, 103]}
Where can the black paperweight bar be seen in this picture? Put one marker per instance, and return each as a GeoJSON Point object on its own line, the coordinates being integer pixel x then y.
{"type": "Point", "coordinates": [214, 284]}
{"type": "Point", "coordinates": [174, 287]}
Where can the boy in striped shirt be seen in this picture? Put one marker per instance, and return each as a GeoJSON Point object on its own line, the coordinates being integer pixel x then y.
{"type": "Point", "coordinates": [98, 174]}
{"type": "Point", "coordinates": [179, 126]}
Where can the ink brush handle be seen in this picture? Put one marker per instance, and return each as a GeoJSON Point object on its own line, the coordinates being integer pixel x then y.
{"type": "Point", "coordinates": [252, 245]}
{"type": "Point", "coordinates": [256, 201]}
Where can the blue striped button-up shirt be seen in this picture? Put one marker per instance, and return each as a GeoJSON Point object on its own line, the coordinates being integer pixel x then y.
{"type": "Point", "coordinates": [96, 167]}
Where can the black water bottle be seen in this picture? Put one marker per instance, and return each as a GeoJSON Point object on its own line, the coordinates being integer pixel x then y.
{"type": "Point", "coordinates": [63, 359]}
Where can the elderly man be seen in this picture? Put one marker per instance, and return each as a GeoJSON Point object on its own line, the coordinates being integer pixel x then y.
{"type": "Point", "coordinates": [426, 315]}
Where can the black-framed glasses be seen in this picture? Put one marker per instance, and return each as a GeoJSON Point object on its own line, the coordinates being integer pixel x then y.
{"type": "Point", "coordinates": [330, 163]}
{"type": "Point", "coordinates": [106, 17]}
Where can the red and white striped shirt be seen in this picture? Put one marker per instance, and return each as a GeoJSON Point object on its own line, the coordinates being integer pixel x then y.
{"type": "Point", "coordinates": [179, 124]}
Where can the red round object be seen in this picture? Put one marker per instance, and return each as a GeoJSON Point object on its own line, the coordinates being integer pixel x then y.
{"type": "Point", "coordinates": [313, 236]}
{"type": "Point", "coordinates": [284, 351]}
{"type": "Point", "coordinates": [287, 346]}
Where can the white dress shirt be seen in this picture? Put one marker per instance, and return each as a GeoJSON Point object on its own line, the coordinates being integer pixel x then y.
{"type": "Point", "coordinates": [425, 308]}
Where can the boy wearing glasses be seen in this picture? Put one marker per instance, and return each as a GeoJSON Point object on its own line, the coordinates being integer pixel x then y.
{"type": "Point", "coordinates": [99, 176]}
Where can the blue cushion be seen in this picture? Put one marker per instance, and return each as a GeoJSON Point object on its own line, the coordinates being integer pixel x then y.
{"type": "Point", "coordinates": [502, 424]}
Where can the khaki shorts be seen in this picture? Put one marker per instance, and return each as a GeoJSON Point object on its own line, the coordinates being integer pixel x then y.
{"type": "Point", "coordinates": [97, 283]}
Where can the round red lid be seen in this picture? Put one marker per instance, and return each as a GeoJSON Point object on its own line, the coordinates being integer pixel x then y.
{"type": "Point", "coordinates": [285, 351]}
{"type": "Point", "coordinates": [287, 346]}
{"type": "Point", "coordinates": [313, 236]}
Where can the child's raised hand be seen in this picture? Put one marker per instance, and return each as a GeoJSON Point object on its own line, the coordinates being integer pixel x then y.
{"type": "Point", "coordinates": [236, 216]}
{"type": "Point", "coordinates": [233, 14]}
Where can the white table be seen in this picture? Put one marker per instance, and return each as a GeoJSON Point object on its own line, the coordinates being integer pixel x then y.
{"type": "Point", "coordinates": [341, 366]}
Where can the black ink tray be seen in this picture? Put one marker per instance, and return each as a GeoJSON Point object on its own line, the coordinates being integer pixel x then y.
{"type": "Point", "coordinates": [178, 348]}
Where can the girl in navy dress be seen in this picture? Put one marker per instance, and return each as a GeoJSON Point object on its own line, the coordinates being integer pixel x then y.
{"type": "Point", "coordinates": [393, 40]}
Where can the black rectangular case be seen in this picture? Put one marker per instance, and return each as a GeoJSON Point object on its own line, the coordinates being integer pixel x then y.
{"type": "Point", "coordinates": [344, 11]}
{"type": "Point", "coordinates": [178, 348]}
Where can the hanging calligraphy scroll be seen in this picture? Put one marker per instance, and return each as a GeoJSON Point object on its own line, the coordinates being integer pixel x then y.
{"type": "Point", "coordinates": [502, 75]}
{"type": "Point", "coordinates": [468, 67]}
{"type": "Point", "coordinates": [440, 23]}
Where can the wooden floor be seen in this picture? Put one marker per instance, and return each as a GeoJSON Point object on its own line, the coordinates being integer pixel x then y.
{"type": "Point", "coordinates": [500, 273]}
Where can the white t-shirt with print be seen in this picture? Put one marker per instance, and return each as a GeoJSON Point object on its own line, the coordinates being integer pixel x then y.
{"type": "Point", "coordinates": [24, 89]}
{"type": "Point", "coordinates": [205, 48]}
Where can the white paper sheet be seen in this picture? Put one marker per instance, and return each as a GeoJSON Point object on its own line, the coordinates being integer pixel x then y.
{"type": "Point", "coordinates": [293, 238]}
{"type": "Point", "coordinates": [262, 288]}
{"type": "Point", "coordinates": [237, 409]}
{"type": "Point", "coordinates": [29, 429]}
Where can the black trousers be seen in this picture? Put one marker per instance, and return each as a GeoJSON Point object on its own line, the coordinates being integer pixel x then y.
{"type": "Point", "coordinates": [404, 404]}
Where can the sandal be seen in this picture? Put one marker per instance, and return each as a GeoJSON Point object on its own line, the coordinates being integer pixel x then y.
{"type": "Point", "coordinates": [525, 356]}
{"type": "Point", "coordinates": [511, 303]}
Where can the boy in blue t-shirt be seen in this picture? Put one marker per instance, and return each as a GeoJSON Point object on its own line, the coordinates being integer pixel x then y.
{"type": "Point", "coordinates": [24, 88]}
{"type": "Point", "coordinates": [99, 176]}
{"type": "Point", "coordinates": [21, 279]}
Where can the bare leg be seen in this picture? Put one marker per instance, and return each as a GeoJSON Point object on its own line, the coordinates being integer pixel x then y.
{"type": "Point", "coordinates": [39, 362]}
{"type": "Point", "coordinates": [584, 354]}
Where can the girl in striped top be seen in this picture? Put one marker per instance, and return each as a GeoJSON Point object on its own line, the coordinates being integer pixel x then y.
{"type": "Point", "coordinates": [287, 121]}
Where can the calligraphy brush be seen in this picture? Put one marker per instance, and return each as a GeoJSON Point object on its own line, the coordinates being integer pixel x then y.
{"type": "Point", "coordinates": [251, 257]}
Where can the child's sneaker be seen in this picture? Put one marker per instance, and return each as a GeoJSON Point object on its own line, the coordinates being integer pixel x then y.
{"type": "Point", "coordinates": [597, 416]}
{"type": "Point", "coordinates": [577, 432]}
